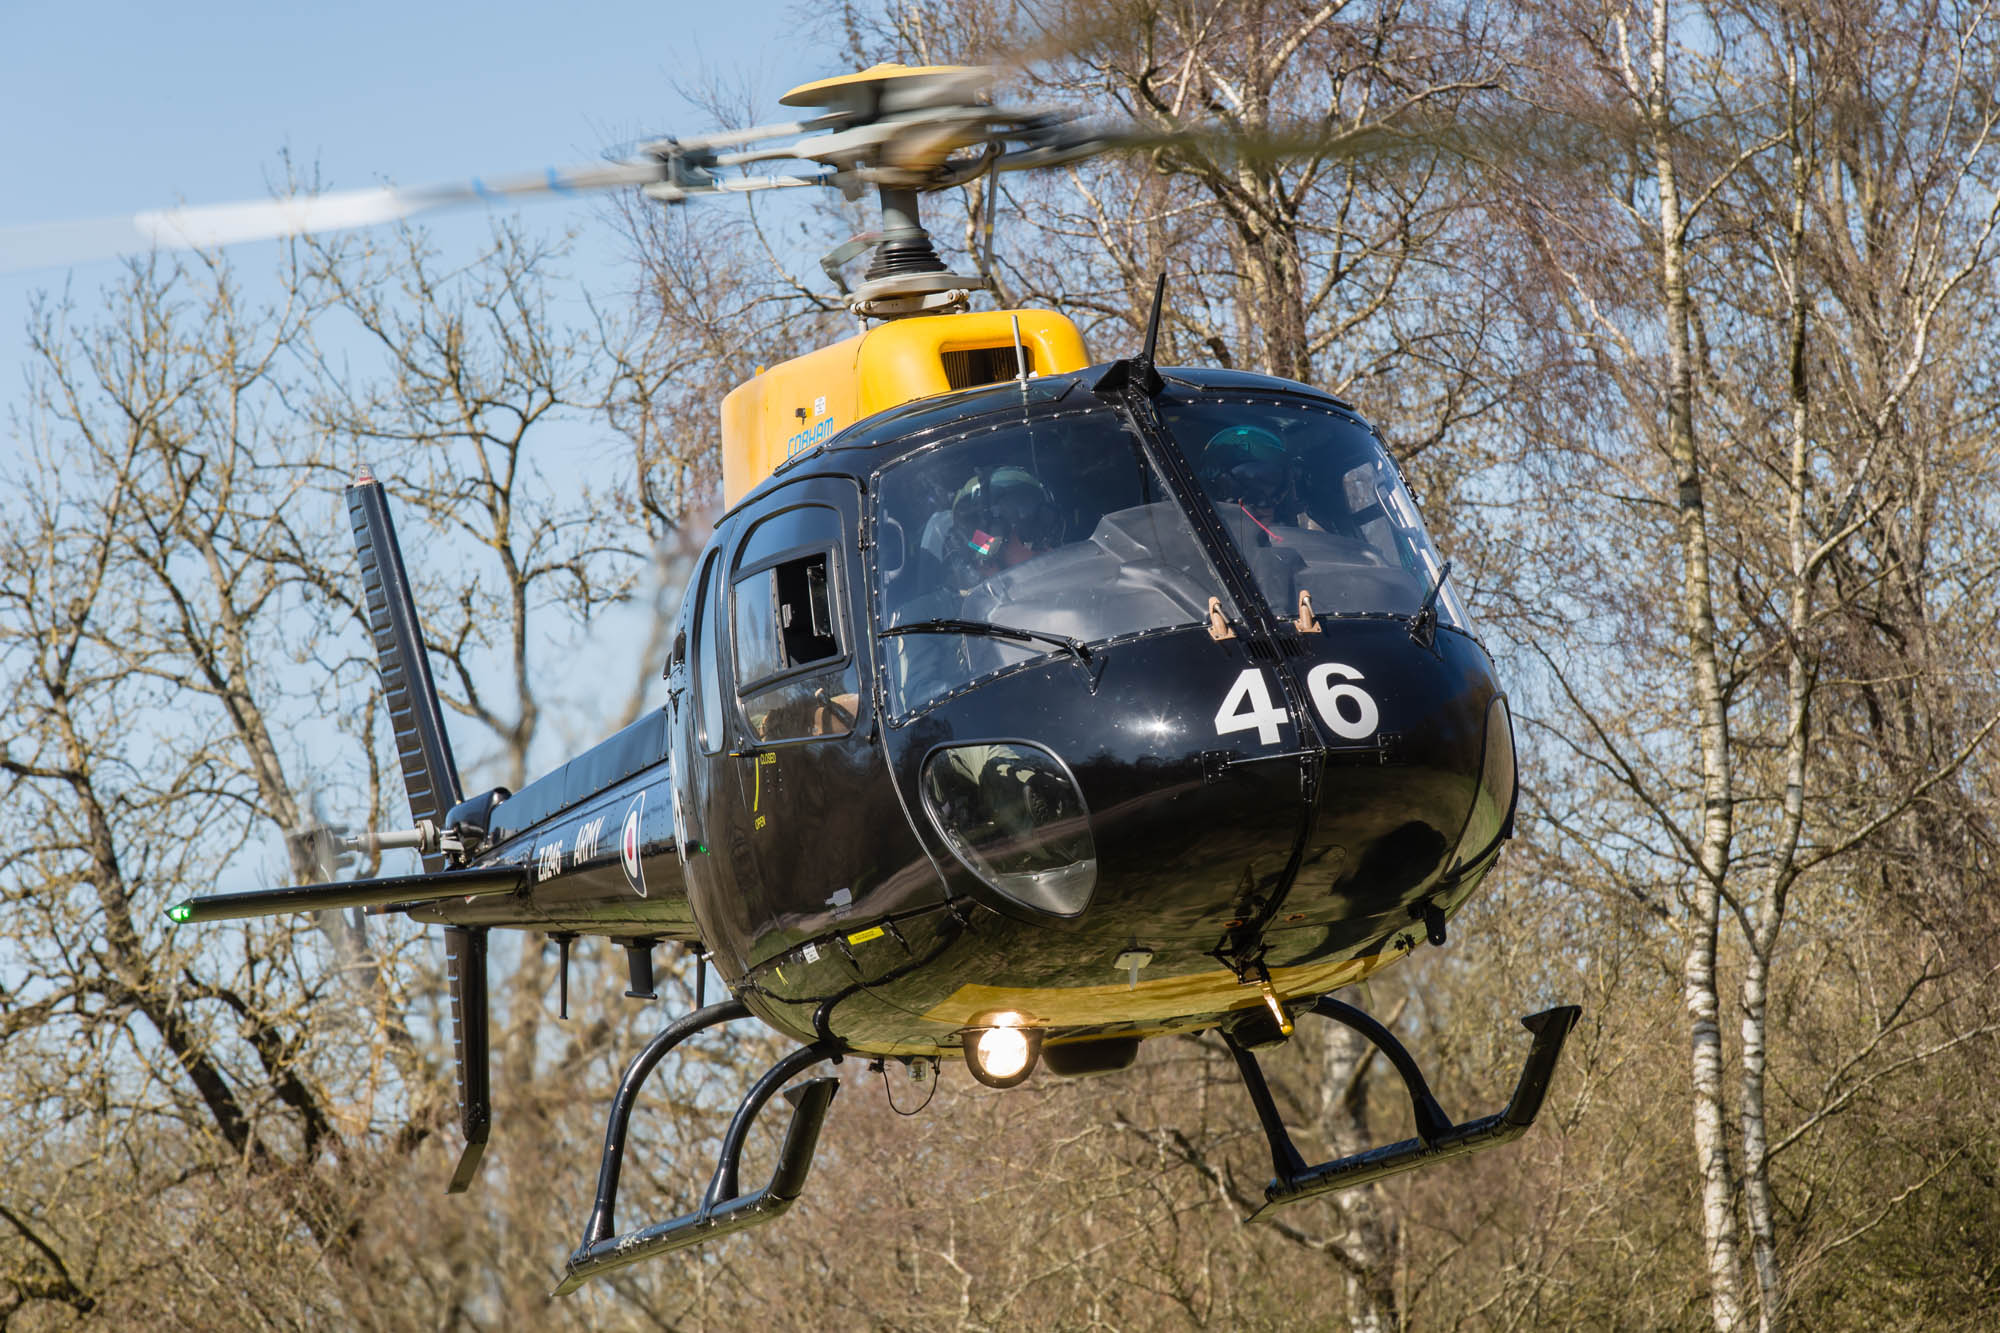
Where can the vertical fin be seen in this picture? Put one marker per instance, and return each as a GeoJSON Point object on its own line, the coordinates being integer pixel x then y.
{"type": "Point", "coordinates": [465, 970]}
{"type": "Point", "coordinates": [430, 775]}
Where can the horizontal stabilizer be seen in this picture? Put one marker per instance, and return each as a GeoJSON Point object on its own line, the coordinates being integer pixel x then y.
{"type": "Point", "coordinates": [352, 893]}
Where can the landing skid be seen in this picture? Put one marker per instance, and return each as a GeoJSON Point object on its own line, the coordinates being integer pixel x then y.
{"type": "Point", "coordinates": [1437, 1137]}
{"type": "Point", "coordinates": [723, 1207]}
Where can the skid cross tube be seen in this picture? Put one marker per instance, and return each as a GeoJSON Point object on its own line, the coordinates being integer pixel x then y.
{"type": "Point", "coordinates": [722, 1186]}
{"type": "Point", "coordinates": [1432, 1122]}
{"type": "Point", "coordinates": [1437, 1138]}
{"type": "Point", "coordinates": [723, 1209]}
{"type": "Point", "coordinates": [600, 1224]}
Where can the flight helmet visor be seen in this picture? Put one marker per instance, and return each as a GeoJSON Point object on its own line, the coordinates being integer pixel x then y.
{"type": "Point", "coordinates": [1247, 464]}
{"type": "Point", "coordinates": [1002, 506]}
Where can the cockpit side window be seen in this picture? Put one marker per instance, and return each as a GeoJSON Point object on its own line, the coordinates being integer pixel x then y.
{"type": "Point", "coordinates": [707, 656]}
{"type": "Point", "coordinates": [784, 619]}
{"type": "Point", "coordinates": [795, 671]}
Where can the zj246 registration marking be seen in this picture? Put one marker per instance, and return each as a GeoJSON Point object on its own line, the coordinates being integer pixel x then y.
{"type": "Point", "coordinates": [1348, 711]}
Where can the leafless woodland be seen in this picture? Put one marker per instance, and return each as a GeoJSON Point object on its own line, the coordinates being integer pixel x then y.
{"type": "Point", "coordinates": [1678, 315]}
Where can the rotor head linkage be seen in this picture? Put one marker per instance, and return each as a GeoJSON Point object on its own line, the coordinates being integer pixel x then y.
{"type": "Point", "coordinates": [904, 274]}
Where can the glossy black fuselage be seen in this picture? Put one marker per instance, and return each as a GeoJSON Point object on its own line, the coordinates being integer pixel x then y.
{"type": "Point", "coordinates": [1265, 799]}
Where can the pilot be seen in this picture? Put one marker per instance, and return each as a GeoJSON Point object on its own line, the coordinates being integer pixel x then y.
{"type": "Point", "coordinates": [1248, 470]}
{"type": "Point", "coordinates": [1001, 517]}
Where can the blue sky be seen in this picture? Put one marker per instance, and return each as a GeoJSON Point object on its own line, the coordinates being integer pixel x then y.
{"type": "Point", "coordinates": [114, 107]}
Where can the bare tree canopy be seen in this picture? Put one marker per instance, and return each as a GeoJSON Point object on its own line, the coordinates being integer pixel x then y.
{"type": "Point", "coordinates": [1697, 389]}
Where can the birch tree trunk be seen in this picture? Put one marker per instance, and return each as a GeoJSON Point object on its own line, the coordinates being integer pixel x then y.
{"type": "Point", "coordinates": [1801, 675]}
{"type": "Point", "coordinates": [1367, 1229]}
{"type": "Point", "coordinates": [1697, 614]}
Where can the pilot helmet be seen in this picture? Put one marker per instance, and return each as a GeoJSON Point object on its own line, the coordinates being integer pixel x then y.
{"type": "Point", "coordinates": [1247, 464]}
{"type": "Point", "coordinates": [1003, 504]}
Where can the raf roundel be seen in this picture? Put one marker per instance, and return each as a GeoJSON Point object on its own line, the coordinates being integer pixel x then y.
{"type": "Point", "coordinates": [628, 845]}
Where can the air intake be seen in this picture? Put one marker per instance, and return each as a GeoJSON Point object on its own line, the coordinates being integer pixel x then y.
{"type": "Point", "coordinates": [983, 365]}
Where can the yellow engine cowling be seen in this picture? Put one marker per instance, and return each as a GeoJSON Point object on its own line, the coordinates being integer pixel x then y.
{"type": "Point", "coordinates": [796, 405]}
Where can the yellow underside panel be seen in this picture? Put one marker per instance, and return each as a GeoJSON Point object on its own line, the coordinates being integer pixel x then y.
{"type": "Point", "coordinates": [1149, 1002]}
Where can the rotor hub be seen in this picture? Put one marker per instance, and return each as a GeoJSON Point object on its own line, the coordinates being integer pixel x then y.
{"type": "Point", "coordinates": [913, 294]}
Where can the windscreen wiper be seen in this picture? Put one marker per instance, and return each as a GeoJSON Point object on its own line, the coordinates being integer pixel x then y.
{"type": "Point", "coordinates": [1424, 624]}
{"type": "Point", "coordinates": [1074, 647]}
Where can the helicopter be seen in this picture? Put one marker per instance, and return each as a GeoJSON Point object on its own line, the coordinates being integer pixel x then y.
{"type": "Point", "coordinates": [1021, 707]}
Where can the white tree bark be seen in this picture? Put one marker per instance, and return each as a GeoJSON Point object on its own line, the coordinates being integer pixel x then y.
{"type": "Point", "coordinates": [1721, 1242]}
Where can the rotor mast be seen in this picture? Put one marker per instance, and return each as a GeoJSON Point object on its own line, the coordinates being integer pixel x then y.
{"type": "Point", "coordinates": [905, 276]}
{"type": "Point", "coordinates": [908, 122]}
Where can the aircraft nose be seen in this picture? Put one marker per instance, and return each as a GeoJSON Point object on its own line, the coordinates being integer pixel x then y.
{"type": "Point", "coordinates": [1415, 814]}
{"type": "Point", "coordinates": [1175, 796]}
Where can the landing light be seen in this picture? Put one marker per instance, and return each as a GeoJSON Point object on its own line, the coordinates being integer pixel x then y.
{"type": "Point", "coordinates": [1003, 1054]}
{"type": "Point", "coordinates": [1012, 813]}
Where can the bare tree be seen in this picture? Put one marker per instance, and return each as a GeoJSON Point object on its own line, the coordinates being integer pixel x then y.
{"type": "Point", "coordinates": [1716, 317]}
{"type": "Point", "coordinates": [148, 561]}
{"type": "Point", "coordinates": [1708, 407]}
{"type": "Point", "coordinates": [178, 618]}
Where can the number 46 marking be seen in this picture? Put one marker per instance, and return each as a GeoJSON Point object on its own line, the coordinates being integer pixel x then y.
{"type": "Point", "coordinates": [1347, 710]}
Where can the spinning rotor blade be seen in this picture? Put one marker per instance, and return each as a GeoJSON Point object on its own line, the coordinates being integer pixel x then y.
{"type": "Point", "coordinates": [52, 244]}
{"type": "Point", "coordinates": [226, 224]}
{"type": "Point", "coordinates": [1057, 142]}
{"type": "Point", "coordinates": [892, 126]}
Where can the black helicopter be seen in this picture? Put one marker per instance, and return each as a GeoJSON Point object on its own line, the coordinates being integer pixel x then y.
{"type": "Point", "coordinates": [1021, 708]}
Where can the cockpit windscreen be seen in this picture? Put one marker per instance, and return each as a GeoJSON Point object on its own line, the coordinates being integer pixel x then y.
{"type": "Point", "coordinates": [1060, 528]}
{"type": "Point", "coordinates": [1314, 506]}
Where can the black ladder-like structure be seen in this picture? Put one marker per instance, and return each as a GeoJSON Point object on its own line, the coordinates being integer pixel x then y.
{"type": "Point", "coordinates": [723, 1208]}
{"type": "Point", "coordinates": [1437, 1137]}
{"type": "Point", "coordinates": [430, 777]}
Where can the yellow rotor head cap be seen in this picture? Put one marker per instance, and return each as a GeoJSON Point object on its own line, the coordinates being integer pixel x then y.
{"type": "Point", "coordinates": [913, 85]}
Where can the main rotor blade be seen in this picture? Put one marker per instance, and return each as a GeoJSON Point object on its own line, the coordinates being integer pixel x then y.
{"type": "Point", "coordinates": [1489, 135]}
{"type": "Point", "coordinates": [701, 143]}
{"type": "Point", "coordinates": [49, 244]}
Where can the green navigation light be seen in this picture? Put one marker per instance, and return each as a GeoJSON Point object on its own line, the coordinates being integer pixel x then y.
{"type": "Point", "coordinates": [180, 912]}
